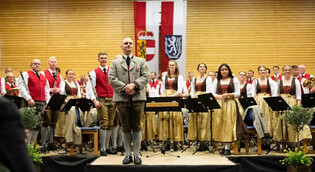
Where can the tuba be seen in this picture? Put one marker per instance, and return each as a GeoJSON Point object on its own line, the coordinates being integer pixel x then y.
{"type": "Point", "coordinates": [309, 83]}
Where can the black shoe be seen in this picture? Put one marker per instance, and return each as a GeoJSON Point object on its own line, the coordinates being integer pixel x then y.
{"type": "Point", "coordinates": [226, 152]}
{"type": "Point", "coordinates": [43, 150]}
{"type": "Point", "coordinates": [120, 149]}
{"type": "Point", "coordinates": [111, 151]}
{"type": "Point", "coordinates": [127, 160]}
{"type": "Point", "coordinates": [103, 152]}
{"type": "Point", "coordinates": [144, 147]}
{"type": "Point", "coordinates": [222, 151]}
{"type": "Point", "coordinates": [175, 147]}
{"type": "Point", "coordinates": [265, 147]}
{"type": "Point", "coordinates": [138, 160]}
{"type": "Point", "coordinates": [51, 147]}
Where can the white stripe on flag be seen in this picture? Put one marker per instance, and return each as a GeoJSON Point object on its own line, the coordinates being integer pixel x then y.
{"type": "Point", "coordinates": [150, 51]}
{"type": "Point", "coordinates": [179, 28]}
{"type": "Point", "coordinates": [153, 9]}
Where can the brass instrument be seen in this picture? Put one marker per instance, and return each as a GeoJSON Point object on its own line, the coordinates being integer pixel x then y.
{"type": "Point", "coordinates": [55, 82]}
{"type": "Point", "coordinates": [309, 83]}
{"type": "Point", "coordinates": [12, 91]}
{"type": "Point", "coordinates": [82, 88]}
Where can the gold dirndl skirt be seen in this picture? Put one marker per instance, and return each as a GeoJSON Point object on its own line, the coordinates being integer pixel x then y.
{"type": "Point", "coordinates": [151, 124]}
{"type": "Point", "coordinates": [176, 123]}
{"type": "Point", "coordinates": [288, 132]}
{"type": "Point", "coordinates": [204, 133]}
{"type": "Point", "coordinates": [224, 121]}
{"type": "Point", "coordinates": [60, 124]}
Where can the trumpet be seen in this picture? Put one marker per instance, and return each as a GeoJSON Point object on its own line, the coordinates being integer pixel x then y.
{"type": "Point", "coordinates": [309, 83]}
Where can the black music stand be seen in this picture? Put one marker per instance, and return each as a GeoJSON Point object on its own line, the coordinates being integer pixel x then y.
{"type": "Point", "coordinates": [245, 103]}
{"type": "Point", "coordinates": [55, 102]}
{"type": "Point", "coordinates": [308, 100]}
{"type": "Point", "coordinates": [83, 104]}
{"type": "Point", "coordinates": [278, 104]}
{"type": "Point", "coordinates": [157, 100]}
{"type": "Point", "coordinates": [209, 101]}
{"type": "Point", "coordinates": [15, 99]}
{"type": "Point", "coordinates": [195, 106]}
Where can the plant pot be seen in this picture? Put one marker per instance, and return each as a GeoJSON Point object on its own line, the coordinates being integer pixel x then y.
{"type": "Point", "coordinates": [299, 169]}
{"type": "Point", "coordinates": [37, 167]}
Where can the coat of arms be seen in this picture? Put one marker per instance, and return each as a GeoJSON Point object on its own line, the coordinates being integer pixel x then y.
{"type": "Point", "coordinates": [146, 45]}
{"type": "Point", "coordinates": [173, 46]}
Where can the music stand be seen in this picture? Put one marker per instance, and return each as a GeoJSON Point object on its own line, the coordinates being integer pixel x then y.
{"type": "Point", "coordinates": [15, 99]}
{"type": "Point", "coordinates": [245, 103]}
{"type": "Point", "coordinates": [55, 102]}
{"type": "Point", "coordinates": [308, 100]}
{"type": "Point", "coordinates": [278, 104]}
{"type": "Point", "coordinates": [194, 106]}
{"type": "Point", "coordinates": [83, 104]}
{"type": "Point", "coordinates": [209, 101]}
{"type": "Point", "coordinates": [168, 104]}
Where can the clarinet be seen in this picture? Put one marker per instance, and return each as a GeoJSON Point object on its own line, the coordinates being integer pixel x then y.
{"type": "Point", "coordinates": [55, 82]}
{"type": "Point", "coordinates": [24, 83]}
{"type": "Point", "coordinates": [92, 85]}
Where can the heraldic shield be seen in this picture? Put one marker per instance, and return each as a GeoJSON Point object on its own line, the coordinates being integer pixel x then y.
{"type": "Point", "coordinates": [173, 46]}
{"type": "Point", "coordinates": [146, 45]}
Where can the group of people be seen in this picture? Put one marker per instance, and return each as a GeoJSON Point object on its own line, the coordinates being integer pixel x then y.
{"type": "Point", "coordinates": [227, 88]}
{"type": "Point", "coordinates": [119, 90]}
{"type": "Point", "coordinates": [116, 89]}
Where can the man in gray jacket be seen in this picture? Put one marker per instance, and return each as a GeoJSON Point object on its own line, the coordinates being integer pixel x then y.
{"type": "Point", "coordinates": [128, 76]}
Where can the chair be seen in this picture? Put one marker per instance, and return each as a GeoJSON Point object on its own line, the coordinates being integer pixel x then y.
{"type": "Point", "coordinates": [249, 119]}
{"type": "Point", "coordinates": [88, 130]}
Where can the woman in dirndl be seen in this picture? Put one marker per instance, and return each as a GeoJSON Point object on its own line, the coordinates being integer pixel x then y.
{"type": "Point", "coordinates": [266, 87]}
{"type": "Point", "coordinates": [200, 85]}
{"type": "Point", "coordinates": [172, 86]}
{"type": "Point", "coordinates": [226, 89]}
{"type": "Point", "coordinates": [290, 91]}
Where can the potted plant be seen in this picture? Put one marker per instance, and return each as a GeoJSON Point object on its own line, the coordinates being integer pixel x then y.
{"type": "Point", "coordinates": [35, 156]}
{"type": "Point", "coordinates": [298, 117]}
{"type": "Point", "coordinates": [32, 121]}
{"type": "Point", "coordinates": [297, 161]}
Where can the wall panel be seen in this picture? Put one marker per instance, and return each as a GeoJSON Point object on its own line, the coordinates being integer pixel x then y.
{"type": "Point", "coordinates": [242, 33]}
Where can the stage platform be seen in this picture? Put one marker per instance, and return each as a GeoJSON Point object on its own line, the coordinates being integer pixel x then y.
{"type": "Point", "coordinates": [170, 162]}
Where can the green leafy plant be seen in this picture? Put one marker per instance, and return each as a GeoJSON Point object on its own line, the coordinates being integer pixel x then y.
{"type": "Point", "coordinates": [296, 159]}
{"type": "Point", "coordinates": [34, 154]}
{"type": "Point", "coordinates": [298, 117]}
{"type": "Point", "coordinates": [30, 119]}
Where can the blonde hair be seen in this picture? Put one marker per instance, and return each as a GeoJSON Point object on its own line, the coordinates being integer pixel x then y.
{"type": "Point", "coordinates": [283, 68]}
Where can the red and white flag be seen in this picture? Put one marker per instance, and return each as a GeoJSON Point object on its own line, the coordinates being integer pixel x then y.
{"type": "Point", "coordinates": [147, 20]}
{"type": "Point", "coordinates": [173, 34]}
